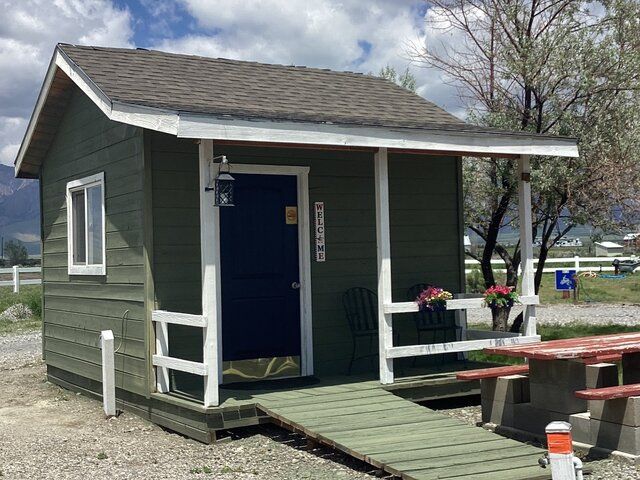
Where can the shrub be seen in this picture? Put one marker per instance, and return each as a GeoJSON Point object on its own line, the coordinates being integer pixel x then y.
{"type": "Point", "coordinates": [475, 281]}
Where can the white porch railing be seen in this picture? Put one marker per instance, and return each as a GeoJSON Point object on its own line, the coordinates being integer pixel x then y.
{"type": "Point", "coordinates": [386, 307]}
{"type": "Point", "coordinates": [161, 360]}
{"type": "Point", "coordinates": [472, 339]}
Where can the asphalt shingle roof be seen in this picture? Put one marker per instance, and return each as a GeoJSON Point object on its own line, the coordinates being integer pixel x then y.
{"type": "Point", "coordinates": [238, 89]}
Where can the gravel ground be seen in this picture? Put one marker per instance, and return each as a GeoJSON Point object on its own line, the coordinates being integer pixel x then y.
{"type": "Point", "coordinates": [599, 469]}
{"type": "Point", "coordinates": [50, 433]}
{"type": "Point", "coordinates": [600, 314]}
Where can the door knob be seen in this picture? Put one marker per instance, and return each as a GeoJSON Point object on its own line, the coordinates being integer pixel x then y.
{"type": "Point", "coordinates": [295, 285]}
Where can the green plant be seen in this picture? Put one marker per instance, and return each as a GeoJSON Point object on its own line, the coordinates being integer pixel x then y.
{"type": "Point", "coordinates": [475, 281]}
{"type": "Point", "coordinates": [206, 469]}
{"type": "Point", "coordinates": [15, 252]}
{"type": "Point", "coordinates": [102, 456]}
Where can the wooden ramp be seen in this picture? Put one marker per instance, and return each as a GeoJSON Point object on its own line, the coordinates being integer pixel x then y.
{"type": "Point", "coordinates": [398, 436]}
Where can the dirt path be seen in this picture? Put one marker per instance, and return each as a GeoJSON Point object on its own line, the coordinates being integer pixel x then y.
{"type": "Point", "coordinates": [49, 433]}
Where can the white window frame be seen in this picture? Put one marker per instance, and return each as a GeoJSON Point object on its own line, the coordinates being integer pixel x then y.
{"type": "Point", "coordinates": [74, 186]}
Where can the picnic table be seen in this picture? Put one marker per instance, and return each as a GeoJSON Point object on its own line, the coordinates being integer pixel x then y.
{"type": "Point", "coordinates": [569, 380]}
{"type": "Point", "coordinates": [627, 345]}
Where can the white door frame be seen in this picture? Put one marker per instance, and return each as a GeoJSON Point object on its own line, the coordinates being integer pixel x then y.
{"type": "Point", "coordinates": [304, 250]}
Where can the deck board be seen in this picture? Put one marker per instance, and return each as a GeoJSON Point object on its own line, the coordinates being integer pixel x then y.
{"type": "Point", "coordinates": [413, 442]}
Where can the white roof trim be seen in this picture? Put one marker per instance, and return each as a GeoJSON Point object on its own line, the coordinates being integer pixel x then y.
{"type": "Point", "coordinates": [201, 126]}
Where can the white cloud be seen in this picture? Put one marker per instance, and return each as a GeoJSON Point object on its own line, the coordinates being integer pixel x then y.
{"type": "Point", "coordinates": [337, 34]}
{"type": "Point", "coordinates": [323, 33]}
{"type": "Point", "coordinates": [28, 33]}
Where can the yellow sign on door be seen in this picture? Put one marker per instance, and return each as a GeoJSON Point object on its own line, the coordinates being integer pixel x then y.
{"type": "Point", "coordinates": [291, 215]}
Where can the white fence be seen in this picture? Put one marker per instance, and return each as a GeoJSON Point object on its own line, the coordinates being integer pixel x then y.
{"type": "Point", "coordinates": [596, 264]}
{"type": "Point", "coordinates": [16, 281]}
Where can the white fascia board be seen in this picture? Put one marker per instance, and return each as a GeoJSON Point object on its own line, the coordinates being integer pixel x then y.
{"type": "Point", "coordinates": [200, 126]}
{"type": "Point", "coordinates": [42, 96]}
{"type": "Point", "coordinates": [165, 121]}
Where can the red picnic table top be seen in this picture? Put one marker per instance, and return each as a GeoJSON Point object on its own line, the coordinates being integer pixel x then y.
{"type": "Point", "coordinates": [582, 347]}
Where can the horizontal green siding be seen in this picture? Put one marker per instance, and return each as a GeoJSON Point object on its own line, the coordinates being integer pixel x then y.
{"type": "Point", "coordinates": [77, 308]}
{"type": "Point", "coordinates": [425, 233]}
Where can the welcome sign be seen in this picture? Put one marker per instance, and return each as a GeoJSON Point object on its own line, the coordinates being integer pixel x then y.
{"type": "Point", "coordinates": [319, 217]}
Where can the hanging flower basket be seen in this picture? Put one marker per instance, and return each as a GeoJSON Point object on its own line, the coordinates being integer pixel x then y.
{"type": "Point", "coordinates": [433, 299]}
{"type": "Point", "coordinates": [500, 296]}
{"type": "Point", "coordinates": [500, 299]}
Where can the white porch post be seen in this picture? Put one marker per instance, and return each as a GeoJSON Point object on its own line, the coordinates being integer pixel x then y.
{"type": "Point", "coordinates": [526, 242]}
{"type": "Point", "coordinates": [385, 332]}
{"type": "Point", "coordinates": [210, 259]}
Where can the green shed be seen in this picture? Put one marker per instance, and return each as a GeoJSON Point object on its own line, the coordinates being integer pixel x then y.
{"type": "Point", "coordinates": [334, 175]}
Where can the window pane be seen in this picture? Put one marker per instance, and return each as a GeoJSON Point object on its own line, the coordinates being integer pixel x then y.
{"type": "Point", "coordinates": [94, 225]}
{"type": "Point", "coordinates": [79, 244]}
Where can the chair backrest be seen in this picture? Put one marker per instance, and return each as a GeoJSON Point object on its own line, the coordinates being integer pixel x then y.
{"type": "Point", "coordinates": [424, 319]}
{"type": "Point", "coordinates": [361, 307]}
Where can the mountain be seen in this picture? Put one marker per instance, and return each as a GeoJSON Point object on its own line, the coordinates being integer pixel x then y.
{"type": "Point", "coordinates": [19, 210]}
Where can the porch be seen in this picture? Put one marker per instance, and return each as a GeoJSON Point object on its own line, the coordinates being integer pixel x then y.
{"type": "Point", "coordinates": [204, 363]}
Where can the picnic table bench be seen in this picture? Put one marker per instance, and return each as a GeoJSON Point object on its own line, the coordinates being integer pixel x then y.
{"type": "Point", "coordinates": [571, 380]}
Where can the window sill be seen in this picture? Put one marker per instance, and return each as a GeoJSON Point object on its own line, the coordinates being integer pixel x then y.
{"type": "Point", "coordinates": [94, 270]}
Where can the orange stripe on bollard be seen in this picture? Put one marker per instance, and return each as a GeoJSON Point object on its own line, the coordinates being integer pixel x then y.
{"type": "Point", "coordinates": [560, 442]}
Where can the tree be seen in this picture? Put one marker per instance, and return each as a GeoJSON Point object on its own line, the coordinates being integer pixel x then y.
{"type": "Point", "coordinates": [546, 67]}
{"type": "Point", "coordinates": [405, 80]}
{"type": "Point", "coordinates": [15, 252]}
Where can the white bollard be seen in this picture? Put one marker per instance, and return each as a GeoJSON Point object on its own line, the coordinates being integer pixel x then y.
{"type": "Point", "coordinates": [16, 279]}
{"type": "Point", "coordinates": [108, 373]}
{"type": "Point", "coordinates": [560, 445]}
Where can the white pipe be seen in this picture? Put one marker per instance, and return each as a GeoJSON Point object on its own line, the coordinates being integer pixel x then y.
{"type": "Point", "coordinates": [108, 373]}
{"type": "Point", "coordinates": [577, 465]}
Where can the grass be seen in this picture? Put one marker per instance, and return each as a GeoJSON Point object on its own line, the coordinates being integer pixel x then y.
{"type": "Point", "coordinates": [556, 332]}
{"type": "Point", "coordinates": [596, 290]}
{"type": "Point", "coordinates": [30, 295]}
{"type": "Point", "coordinates": [601, 290]}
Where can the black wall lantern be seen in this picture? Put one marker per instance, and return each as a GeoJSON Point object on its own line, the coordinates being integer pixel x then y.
{"type": "Point", "coordinates": [223, 184]}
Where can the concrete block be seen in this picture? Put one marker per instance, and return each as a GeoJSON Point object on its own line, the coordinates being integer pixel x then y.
{"type": "Point", "coordinates": [570, 373]}
{"type": "Point", "coordinates": [495, 411]}
{"type": "Point", "coordinates": [532, 419]}
{"type": "Point", "coordinates": [630, 368]}
{"type": "Point", "coordinates": [557, 398]}
{"type": "Point", "coordinates": [580, 427]}
{"type": "Point", "coordinates": [601, 375]}
{"type": "Point", "coordinates": [509, 389]}
{"type": "Point", "coordinates": [625, 411]}
{"type": "Point", "coordinates": [615, 436]}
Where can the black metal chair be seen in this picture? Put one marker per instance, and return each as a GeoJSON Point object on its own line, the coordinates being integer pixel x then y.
{"type": "Point", "coordinates": [361, 308]}
{"type": "Point", "coordinates": [432, 322]}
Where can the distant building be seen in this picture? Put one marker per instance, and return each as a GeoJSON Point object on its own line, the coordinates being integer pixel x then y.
{"type": "Point", "coordinates": [631, 240]}
{"type": "Point", "coordinates": [608, 249]}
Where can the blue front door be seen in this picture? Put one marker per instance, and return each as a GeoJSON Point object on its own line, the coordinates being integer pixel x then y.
{"type": "Point", "coordinates": [260, 272]}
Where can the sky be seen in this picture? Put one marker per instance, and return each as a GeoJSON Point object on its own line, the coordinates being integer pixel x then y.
{"type": "Point", "coordinates": [355, 35]}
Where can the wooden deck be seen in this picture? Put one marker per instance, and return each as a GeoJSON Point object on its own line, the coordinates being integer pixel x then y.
{"type": "Point", "coordinates": [398, 436]}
